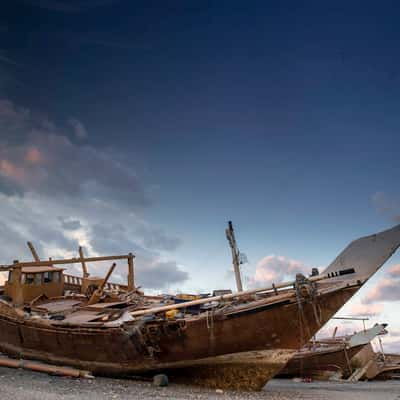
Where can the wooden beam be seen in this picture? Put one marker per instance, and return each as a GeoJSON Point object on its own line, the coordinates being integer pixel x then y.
{"type": "Point", "coordinates": [221, 298]}
{"type": "Point", "coordinates": [84, 269]}
{"type": "Point", "coordinates": [33, 251]}
{"type": "Point", "coordinates": [131, 276]}
{"type": "Point", "coordinates": [96, 296]}
{"type": "Point", "coordinates": [334, 332]}
{"type": "Point", "coordinates": [105, 280]}
{"type": "Point", "coordinates": [65, 261]}
{"type": "Point", "coordinates": [230, 235]}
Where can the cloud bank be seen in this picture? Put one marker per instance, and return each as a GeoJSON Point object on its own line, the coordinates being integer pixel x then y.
{"type": "Point", "coordinates": [60, 194]}
{"type": "Point", "coordinates": [387, 289]}
{"type": "Point", "coordinates": [275, 269]}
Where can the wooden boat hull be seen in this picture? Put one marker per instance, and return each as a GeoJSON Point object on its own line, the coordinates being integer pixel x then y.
{"type": "Point", "coordinates": [315, 363]}
{"type": "Point", "coordinates": [240, 371]}
{"type": "Point", "coordinates": [139, 347]}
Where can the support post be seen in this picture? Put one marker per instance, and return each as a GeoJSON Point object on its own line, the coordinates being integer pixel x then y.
{"type": "Point", "coordinates": [17, 295]}
{"type": "Point", "coordinates": [33, 251]}
{"type": "Point", "coordinates": [84, 269]}
{"type": "Point", "coordinates": [334, 332]}
{"type": "Point", "coordinates": [131, 274]}
{"type": "Point", "coordinates": [235, 255]}
{"type": "Point", "coordinates": [96, 296]}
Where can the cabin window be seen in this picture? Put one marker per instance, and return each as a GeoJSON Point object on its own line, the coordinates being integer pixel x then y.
{"type": "Point", "coordinates": [28, 279]}
{"type": "Point", "coordinates": [31, 279]}
{"type": "Point", "coordinates": [10, 277]}
{"type": "Point", "coordinates": [38, 279]}
{"type": "Point", "coordinates": [48, 277]}
{"type": "Point", "coordinates": [56, 276]}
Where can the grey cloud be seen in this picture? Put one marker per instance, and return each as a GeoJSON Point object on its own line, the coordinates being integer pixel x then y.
{"type": "Point", "coordinates": [151, 271]}
{"type": "Point", "coordinates": [12, 243]}
{"type": "Point", "coordinates": [43, 161]}
{"type": "Point", "coordinates": [37, 219]}
{"type": "Point", "coordinates": [8, 187]}
{"type": "Point", "coordinates": [113, 238]}
{"type": "Point", "coordinates": [155, 238]}
{"type": "Point", "coordinates": [12, 117]}
{"type": "Point", "coordinates": [159, 274]}
{"type": "Point", "coordinates": [51, 237]}
{"type": "Point", "coordinates": [79, 129]}
{"type": "Point", "coordinates": [17, 123]}
{"type": "Point", "coordinates": [14, 240]}
{"type": "Point", "coordinates": [70, 224]}
{"type": "Point", "coordinates": [55, 192]}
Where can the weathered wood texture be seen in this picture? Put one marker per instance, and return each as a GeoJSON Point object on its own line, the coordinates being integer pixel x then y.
{"type": "Point", "coordinates": [140, 346]}
{"type": "Point", "coordinates": [314, 363]}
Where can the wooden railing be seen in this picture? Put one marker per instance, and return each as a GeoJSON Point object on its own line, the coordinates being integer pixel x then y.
{"type": "Point", "coordinates": [72, 280]}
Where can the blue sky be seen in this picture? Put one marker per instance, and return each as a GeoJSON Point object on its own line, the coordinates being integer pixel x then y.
{"type": "Point", "coordinates": [147, 126]}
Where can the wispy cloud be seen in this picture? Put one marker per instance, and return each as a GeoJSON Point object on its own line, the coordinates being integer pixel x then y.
{"type": "Point", "coordinates": [387, 289]}
{"type": "Point", "coordinates": [49, 162]}
{"type": "Point", "coordinates": [275, 269]}
{"type": "Point", "coordinates": [79, 129]}
{"type": "Point", "coordinates": [366, 310]}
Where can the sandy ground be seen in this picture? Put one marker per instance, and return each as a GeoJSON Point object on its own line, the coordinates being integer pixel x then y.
{"type": "Point", "coordinates": [25, 385]}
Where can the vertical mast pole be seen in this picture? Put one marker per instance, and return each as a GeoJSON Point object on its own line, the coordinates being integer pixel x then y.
{"type": "Point", "coordinates": [82, 257]}
{"type": "Point", "coordinates": [230, 235]}
{"type": "Point", "coordinates": [131, 276]}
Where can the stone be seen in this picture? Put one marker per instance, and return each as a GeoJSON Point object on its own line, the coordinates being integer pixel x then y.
{"type": "Point", "coordinates": [160, 380]}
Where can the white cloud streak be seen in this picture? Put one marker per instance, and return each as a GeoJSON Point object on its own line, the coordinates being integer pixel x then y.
{"type": "Point", "coordinates": [275, 269]}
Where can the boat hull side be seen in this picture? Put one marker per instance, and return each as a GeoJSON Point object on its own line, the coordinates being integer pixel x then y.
{"type": "Point", "coordinates": [132, 349]}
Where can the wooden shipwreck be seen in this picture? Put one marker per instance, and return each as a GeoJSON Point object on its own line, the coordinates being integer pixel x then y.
{"type": "Point", "coordinates": [377, 365]}
{"type": "Point", "coordinates": [331, 357]}
{"type": "Point", "coordinates": [238, 340]}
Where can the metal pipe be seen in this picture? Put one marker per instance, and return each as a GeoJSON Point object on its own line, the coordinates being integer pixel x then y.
{"type": "Point", "coordinates": [41, 367]}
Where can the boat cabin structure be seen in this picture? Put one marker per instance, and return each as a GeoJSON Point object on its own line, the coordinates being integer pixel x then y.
{"type": "Point", "coordinates": [28, 283]}
{"type": "Point", "coordinates": [33, 282]}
